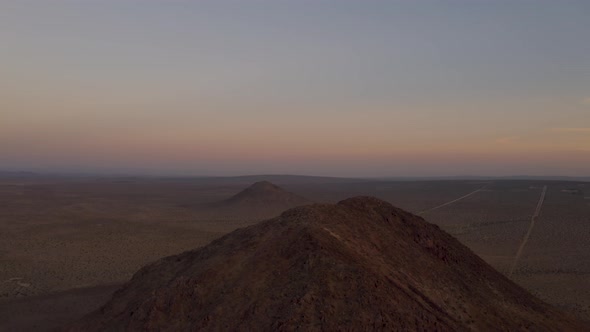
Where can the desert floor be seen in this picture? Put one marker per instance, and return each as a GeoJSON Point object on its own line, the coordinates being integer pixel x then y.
{"type": "Point", "coordinates": [67, 243]}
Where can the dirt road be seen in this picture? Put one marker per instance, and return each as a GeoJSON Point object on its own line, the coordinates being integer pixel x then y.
{"type": "Point", "coordinates": [528, 233]}
{"type": "Point", "coordinates": [451, 202]}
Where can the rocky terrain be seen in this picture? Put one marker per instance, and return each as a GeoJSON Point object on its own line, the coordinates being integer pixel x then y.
{"type": "Point", "coordinates": [359, 264]}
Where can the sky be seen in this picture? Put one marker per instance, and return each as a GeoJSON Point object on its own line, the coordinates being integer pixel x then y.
{"type": "Point", "coordinates": [312, 87]}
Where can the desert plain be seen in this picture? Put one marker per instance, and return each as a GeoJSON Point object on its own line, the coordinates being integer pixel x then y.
{"type": "Point", "coordinates": [67, 243]}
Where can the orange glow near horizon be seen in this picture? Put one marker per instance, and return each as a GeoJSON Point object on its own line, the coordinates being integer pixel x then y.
{"type": "Point", "coordinates": [220, 91]}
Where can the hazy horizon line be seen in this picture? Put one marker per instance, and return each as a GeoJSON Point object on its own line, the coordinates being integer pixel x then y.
{"type": "Point", "coordinates": [365, 177]}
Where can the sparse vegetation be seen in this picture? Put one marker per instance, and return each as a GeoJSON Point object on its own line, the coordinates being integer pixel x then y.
{"type": "Point", "coordinates": [58, 234]}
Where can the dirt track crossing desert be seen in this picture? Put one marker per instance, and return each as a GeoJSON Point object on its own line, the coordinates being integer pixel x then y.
{"type": "Point", "coordinates": [529, 231]}
{"type": "Point", "coordinates": [451, 202]}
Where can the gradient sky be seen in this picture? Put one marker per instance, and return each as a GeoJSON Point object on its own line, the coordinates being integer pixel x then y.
{"type": "Point", "coordinates": [343, 88]}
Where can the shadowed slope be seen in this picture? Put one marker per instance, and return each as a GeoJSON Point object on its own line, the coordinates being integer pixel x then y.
{"type": "Point", "coordinates": [360, 264]}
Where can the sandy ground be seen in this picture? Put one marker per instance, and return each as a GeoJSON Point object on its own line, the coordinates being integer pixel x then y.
{"type": "Point", "coordinates": [47, 312]}
{"type": "Point", "coordinates": [555, 260]}
{"type": "Point", "coordinates": [65, 242]}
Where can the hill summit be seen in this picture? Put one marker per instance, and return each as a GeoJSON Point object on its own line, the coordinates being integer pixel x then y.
{"type": "Point", "coordinates": [361, 264]}
{"type": "Point", "coordinates": [261, 199]}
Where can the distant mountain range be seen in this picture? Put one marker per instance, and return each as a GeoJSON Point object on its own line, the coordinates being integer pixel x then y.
{"type": "Point", "coordinates": [471, 177]}
{"type": "Point", "coordinates": [286, 178]}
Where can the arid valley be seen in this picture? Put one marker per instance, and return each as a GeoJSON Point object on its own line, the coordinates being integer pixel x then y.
{"type": "Point", "coordinates": [67, 243]}
{"type": "Point", "coordinates": [295, 165]}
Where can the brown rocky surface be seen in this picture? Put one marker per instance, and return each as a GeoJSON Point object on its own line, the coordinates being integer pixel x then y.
{"type": "Point", "coordinates": [361, 264]}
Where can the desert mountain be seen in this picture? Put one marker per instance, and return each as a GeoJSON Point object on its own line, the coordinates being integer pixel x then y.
{"type": "Point", "coordinates": [260, 200]}
{"type": "Point", "coordinates": [361, 264]}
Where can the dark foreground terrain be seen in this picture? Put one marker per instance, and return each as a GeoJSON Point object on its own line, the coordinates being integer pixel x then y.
{"type": "Point", "coordinates": [64, 242]}
{"type": "Point", "coordinates": [359, 264]}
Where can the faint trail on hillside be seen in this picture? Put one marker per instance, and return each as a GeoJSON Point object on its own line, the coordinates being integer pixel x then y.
{"type": "Point", "coordinates": [453, 201]}
{"type": "Point", "coordinates": [528, 233]}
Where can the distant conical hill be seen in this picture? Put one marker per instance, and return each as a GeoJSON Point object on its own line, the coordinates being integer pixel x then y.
{"type": "Point", "coordinates": [361, 264]}
{"type": "Point", "coordinates": [260, 200]}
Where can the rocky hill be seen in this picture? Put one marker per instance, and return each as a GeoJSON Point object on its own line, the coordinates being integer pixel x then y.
{"type": "Point", "coordinates": [260, 200]}
{"type": "Point", "coordinates": [361, 264]}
